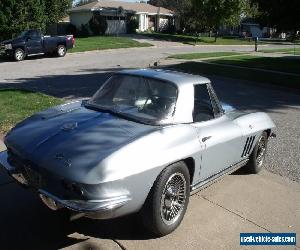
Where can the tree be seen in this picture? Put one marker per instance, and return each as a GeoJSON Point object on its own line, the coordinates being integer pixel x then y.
{"type": "Point", "coordinates": [249, 9]}
{"type": "Point", "coordinates": [56, 9]}
{"type": "Point", "coordinates": [98, 24]}
{"type": "Point", "coordinates": [280, 14]}
{"type": "Point", "coordinates": [211, 14]}
{"type": "Point", "coordinates": [16, 16]}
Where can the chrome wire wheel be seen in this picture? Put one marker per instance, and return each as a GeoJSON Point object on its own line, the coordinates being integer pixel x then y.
{"type": "Point", "coordinates": [261, 151]}
{"type": "Point", "coordinates": [173, 198]}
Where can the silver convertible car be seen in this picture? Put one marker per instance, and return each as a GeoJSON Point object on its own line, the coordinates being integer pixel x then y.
{"type": "Point", "coordinates": [144, 143]}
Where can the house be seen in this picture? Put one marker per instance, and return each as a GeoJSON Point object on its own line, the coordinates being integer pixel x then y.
{"type": "Point", "coordinates": [60, 27]}
{"type": "Point", "coordinates": [254, 30]}
{"type": "Point", "coordinates": [118, 13]}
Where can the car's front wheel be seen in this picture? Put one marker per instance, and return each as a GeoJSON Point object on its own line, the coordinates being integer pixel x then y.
{"type": "Point", "coordinates": [257, 157]}
{"type": "Point", "coordinates": [19, 54]}
{"type": "Point", "coordinates": [167, 202]}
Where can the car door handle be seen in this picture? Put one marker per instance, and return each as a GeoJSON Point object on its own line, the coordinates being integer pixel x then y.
{"type": "Point", "coordinates": [204, 139]}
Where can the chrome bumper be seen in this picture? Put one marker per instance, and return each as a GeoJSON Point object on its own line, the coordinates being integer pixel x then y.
{"type": "Point", "coordinates": [83, 206]}
{"type": "Point", "coordinates": [4, 163]}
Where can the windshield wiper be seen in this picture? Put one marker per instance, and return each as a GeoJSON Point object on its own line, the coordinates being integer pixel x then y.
{"type": "Point", "coordinates": [97, 108]}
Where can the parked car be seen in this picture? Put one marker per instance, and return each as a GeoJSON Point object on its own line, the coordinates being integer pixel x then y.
{"type": "Point", "coordinates": [145, 142]}
{"type": "Point", "coordinates": [32, 43]}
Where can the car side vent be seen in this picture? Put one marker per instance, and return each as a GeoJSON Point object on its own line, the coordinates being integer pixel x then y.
{"type": "Point", "coordinates": [248, 146]}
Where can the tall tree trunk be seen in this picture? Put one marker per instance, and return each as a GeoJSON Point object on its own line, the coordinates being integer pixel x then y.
{"type": "Point", "coordinates": [216, 36]}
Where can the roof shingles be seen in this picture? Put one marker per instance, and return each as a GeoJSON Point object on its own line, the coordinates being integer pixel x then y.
{"type": "Point", "coordinates": [129, 6]}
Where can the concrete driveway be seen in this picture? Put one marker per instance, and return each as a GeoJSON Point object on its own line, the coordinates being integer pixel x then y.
{"type": "Point", "coordinates": [268, 202]}
{"type": "Point", "coordinates": [214, 219]}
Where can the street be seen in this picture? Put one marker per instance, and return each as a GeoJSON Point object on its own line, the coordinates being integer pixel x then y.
{"type": "Point", "coordinates": [268, 202]}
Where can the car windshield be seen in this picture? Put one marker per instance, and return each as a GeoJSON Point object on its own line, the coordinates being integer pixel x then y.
{"type": "Point", "coordinates": [24, 33]}
{"type": "Point", "coordinates": [144, 100]}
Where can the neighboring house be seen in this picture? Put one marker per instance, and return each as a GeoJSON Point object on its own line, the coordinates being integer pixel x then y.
{"type": "Point", "coordinates": [247, 28]}
{"type": "Point", "coordinates": [60, 27]}
{"type": "Point", "coordinates": [252, 29]}
{"type": "Point", "coordinates": [118, 13]}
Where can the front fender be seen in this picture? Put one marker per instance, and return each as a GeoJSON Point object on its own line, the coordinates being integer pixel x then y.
{"type": "Point", "coordinates": [254, 123]}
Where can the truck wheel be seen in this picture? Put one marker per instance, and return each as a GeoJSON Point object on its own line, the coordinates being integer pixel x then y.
{"type": "Point", "coordinates": [61, 50]}
{"type": "Point", "coordinates": [19, 55]}
{"type": "Point", "coordinates": [256, 159]}
{"type": "Point", "coordinates": [167, 201]}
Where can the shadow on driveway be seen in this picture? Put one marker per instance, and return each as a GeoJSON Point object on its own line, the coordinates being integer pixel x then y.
{"type": "Point", "coordinates": [26, 223]}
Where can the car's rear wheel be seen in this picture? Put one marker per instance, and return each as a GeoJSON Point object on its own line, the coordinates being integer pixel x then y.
{"type": "Point", "coordinates": [167, 202]}
{"type": "Point", "coordinates": [19, 54]}
{"type": "Point", "coordinates": [257, 157]}
{"type": "Point", "coordinates": [61, 50]}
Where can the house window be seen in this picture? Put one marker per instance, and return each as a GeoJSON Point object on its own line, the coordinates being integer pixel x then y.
{"type": "Point", "coordinates": [115, 18]}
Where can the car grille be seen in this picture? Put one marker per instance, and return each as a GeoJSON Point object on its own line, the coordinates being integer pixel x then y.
{"type": "Point", "coordinates": [25, 167]}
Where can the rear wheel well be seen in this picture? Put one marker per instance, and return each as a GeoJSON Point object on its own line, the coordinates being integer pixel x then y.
{"type": "Point", "coordinates": [190, 163]}
{"type": "Point", "coordinates": [63, 44]}
{"type": "Point", "coordinates": [22, 48]}
{"type": "Point", "coordinates": [268, 131]}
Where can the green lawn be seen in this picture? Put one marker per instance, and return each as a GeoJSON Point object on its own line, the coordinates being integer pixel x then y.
{"type": "Point", "coordinates": [238, 73]}
{"type": "Point", "coordinates": [282, 64]}
{"type": "Point", "coordinates": [201, 40]}
{"type": "Point", "coordinates": [290, 51]}
{"type": "Point", "coordinates": [105, 42]}
{"type": "Point", "coordinates": [192, 56]}
{"type": "Point", "coordinates": [16, 105]}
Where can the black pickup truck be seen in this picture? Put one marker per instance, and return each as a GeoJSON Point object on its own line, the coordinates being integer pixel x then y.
{"type": "Point", "coordinates": [32, 42]}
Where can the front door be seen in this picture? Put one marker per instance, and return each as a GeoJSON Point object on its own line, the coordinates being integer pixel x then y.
{"type": "Point", "coordinates": [218, 135]}
{"type": "Point", "coordinates": [34, 43]}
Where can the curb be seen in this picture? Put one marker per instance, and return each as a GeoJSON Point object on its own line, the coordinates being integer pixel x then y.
{"type": "Point", "coordinates": [2, 145]}
{"type": "Point", "coordinates": [109, 50]}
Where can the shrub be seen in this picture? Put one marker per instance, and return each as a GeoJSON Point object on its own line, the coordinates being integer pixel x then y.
{"type": "Point", "coordinates": [71, 30]}
{"type": "Point", "coordinates": [132, 25]}
{"type": "Point", "coordinates": [98, 25]}
{"type": "Point", "coordinates": [171, 29]}
{"type": "Point", "coordinates": [84, 31]}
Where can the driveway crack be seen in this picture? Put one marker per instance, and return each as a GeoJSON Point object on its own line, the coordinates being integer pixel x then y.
{"type": "Point", "coordinates": [230, 211]}
{"type": "Point", "coordinates": [119, 244]}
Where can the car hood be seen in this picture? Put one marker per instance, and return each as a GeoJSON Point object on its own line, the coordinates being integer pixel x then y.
{"type": "Point", "coordinates": [6, 41]}
{"type": "Point", "coordinates": [15, 40]}
{"type": "Point", "coordinates": [72, 142]}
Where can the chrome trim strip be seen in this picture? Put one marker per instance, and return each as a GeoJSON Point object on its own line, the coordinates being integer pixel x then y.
{"type": "Point", "coordinates": [210, 180]}
{"type": "Point", "coordinates": [36, 54]}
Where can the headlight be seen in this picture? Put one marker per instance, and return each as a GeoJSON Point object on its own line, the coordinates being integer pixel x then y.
{"type": "Point", "coordinates": [8, 46]}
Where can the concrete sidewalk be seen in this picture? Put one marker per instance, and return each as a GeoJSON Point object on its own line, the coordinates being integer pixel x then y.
{"type": "Point", "coordinates": [214, 219]}
{"type": "Point", "coordinates": [2, 146]}
{"type": "Point", "coordinates": [238, 203]}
